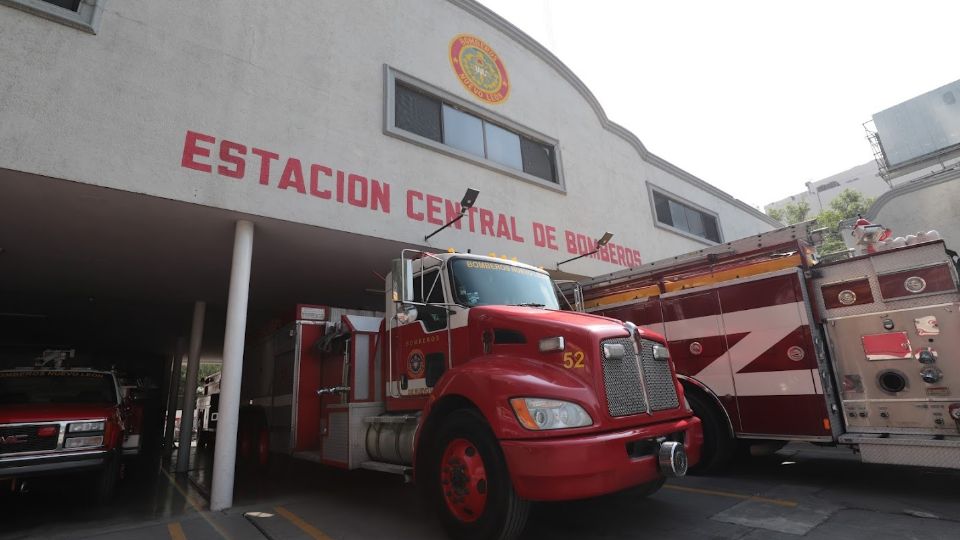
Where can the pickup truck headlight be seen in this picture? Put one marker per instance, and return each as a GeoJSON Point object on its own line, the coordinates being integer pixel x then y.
{"type": "Point", "coordinates": [82, 442]}
{"type": "Point", "coordinates": [85, 426]}
{"type": "Point", "coordinates": [539, 414]}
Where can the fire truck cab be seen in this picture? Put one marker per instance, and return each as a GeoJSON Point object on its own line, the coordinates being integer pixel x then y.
{"type": "Point", "coordinates": [474, 383]}
{"type": "Point", "coordinates": [774, 345]}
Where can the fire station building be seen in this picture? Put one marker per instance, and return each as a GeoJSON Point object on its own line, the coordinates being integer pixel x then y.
{"type": "Point", "coordinates": [243, 157]}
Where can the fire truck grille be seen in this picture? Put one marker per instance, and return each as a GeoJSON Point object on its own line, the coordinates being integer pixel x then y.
{"type": "Point", "coordinates": [659, 379]}
{"type": "Point", "coordinates": [624, 383]}
{"type": "Point", "coordinates": [16, 439]}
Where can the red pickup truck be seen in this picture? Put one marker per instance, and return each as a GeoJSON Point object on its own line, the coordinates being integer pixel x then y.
{"type": "Point", "coordinates": [59, 422]}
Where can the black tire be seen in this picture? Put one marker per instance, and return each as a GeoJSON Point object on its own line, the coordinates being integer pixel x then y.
{"type": "Point", "coordinates": [106, 481]}
{"type": "Point", "coordinates": [504, 514]}
{"type": "Point", "coordinates": [719, 447]}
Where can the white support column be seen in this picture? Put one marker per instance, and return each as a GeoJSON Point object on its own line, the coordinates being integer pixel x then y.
{"type": "Point", "coordinates": [190, 387]}
{"type": "Point", "coordinates": [173, 392]}
{"type": "Point", "coordinates": [225, 449]}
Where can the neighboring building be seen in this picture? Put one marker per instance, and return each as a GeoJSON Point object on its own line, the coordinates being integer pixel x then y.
{"type": "Point", "coordinates": [863, 178]}
{"type": "Point", "coordinates": [916, 145]}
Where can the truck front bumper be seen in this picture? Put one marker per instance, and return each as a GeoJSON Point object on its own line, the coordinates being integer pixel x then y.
{"type": "Point", "coordinates": [37, 465]}
{"type": "Point", "coordinates": [591, 465]}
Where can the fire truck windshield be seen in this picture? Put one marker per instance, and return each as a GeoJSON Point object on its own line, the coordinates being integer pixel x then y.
{"type": "Point", "coordinates": [20, 387]}
{"type": "Point", "coordinates": [485, 283]}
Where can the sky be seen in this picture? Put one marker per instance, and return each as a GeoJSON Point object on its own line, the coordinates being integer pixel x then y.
{"type": "Point", "coordinates": [755, 97]}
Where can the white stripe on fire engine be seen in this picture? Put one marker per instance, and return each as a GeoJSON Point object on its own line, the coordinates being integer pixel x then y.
{"type": "Point", "coordinates": [765, 327]}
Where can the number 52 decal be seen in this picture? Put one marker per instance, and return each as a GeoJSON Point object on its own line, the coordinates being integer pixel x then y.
{"type": "Point", "coordinates": [573, 360]}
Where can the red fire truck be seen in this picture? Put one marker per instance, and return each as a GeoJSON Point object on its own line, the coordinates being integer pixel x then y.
{"type": "Point", "coordinates": [474, 382]}
{"type": "Point", "coordinates": [773, 345]}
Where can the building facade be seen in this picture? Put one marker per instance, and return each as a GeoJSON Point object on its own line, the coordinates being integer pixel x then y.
{"type": "Point", "coordinates": [363, 117]}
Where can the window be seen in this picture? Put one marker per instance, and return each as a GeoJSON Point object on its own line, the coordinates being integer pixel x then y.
{"type": "Point", "coordinates": [452, 124]}
{"type": "Point", "coordinates": [82, 14]}
{"type": "Point", "coordinates": [685, 217]}
{"type": "Point", "coordinates": [427, 289]}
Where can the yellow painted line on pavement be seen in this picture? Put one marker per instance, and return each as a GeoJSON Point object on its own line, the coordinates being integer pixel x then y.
{"type": "Point", "coordinates": [314, 532]}
{"type": "Point", "coordinates": [176, 531]}
{"type": "Point", "coordinates": [730, 494]}
{"type": "Point", "coordinates": [197, 506]}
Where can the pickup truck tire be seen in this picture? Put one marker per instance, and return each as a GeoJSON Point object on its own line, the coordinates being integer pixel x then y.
{"type": "Point", "coordinates": [719, 447]}
{"type": "Point", "coordinates": [473, 493]}
{"type": "Point", "coordinates": [106, 486]}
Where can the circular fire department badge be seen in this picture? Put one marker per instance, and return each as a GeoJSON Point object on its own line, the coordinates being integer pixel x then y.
{"type": "Point", "coordinates": [696, 348]}
{"type": "Point", "coordinates": [479, 68]}
{"type": "Point", "coordinates": [796, 353]}
{"type": "Point", "coordinates": [915, 284]}
{"type": "Point", "coordinates": [415, 364]}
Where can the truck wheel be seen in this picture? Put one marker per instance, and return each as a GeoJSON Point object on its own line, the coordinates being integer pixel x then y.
{"type": "Point", "coordinates": [718, 446]}
{"type": "Point", "coordinates": [473, 491]}
{"type": "Point", "coordinates": [107, 481]}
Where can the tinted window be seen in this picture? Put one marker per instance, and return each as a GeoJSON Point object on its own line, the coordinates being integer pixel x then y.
{"type": "Point", "coordinates": [72, 5]}
{"type": "Point", "coordinates": [538, 159]}
{"type": "Point", "coordinates": [56, 387]}
{"type": "Point", "coordinates": [418, 113]}
{"type": "Point", "coordinates": [685, 217]}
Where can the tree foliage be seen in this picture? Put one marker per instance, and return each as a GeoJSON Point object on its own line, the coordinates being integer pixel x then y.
{"type": "Point", "coordinates": [791, 213]}
{"type": "Point", "coordinates": [848, 204]}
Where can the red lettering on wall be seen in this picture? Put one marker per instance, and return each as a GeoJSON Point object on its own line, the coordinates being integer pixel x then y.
{"type": "Point", "coordinates": [503, 230]}
{"type": "Point", "coordinates": [357, 192]}
{"type": "Point", "coordinates": [379, 196]}
{"type": "Point", "coordinates": [514, 235]}
{"type": "Point", "coordinates": [340, 186]}
{"type": "Point", "coordinates": [292, 176]}
{"type": "Point", "coordinates": [191, 150]}
{"type": "Point", "coordinates": [486, 222]}
{"type": "Point", "coordinates": [315, 172]}
{"type": "Point", "coordinates": [411, 213]}
{"type": "Point", "coordinates": [604, 253]}
{"type": "Point", "coordinates": [230, 152]}
{"type": "Point", "coordinates": [265, 158]}
{"type": "Point", "coordinates": [433, 209]}
{"type": "Point", "coordinates": [452, 211]}
{"type": "Point", "coordinates": [571, 242]}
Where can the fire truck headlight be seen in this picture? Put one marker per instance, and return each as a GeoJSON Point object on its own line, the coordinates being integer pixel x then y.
{"type": "Point", "coordinates": [539, 414]}
{"type": "Point", "coordinates": [82, 442]}
{"type": "Point", "coordinates": [661, 352]}
{"type": "Point", "coordinates": [85, 426]}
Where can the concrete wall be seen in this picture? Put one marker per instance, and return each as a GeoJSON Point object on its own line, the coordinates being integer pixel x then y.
{"type": "Point", "coordinates": [922, 205]}
{"type": "Point", "coordinates": [306, 81]}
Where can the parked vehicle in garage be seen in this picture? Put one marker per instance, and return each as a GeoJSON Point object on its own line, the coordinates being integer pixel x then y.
{"type": "Point", "coordinates": [61, 421]}
{"type": "Point", "coordinates": [774, 345]}
{"type": "Point", "coordinates": [474, 383]}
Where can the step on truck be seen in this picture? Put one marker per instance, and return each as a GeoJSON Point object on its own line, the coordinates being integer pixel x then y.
{"type": "Point", "coordinates": [774, 345]}
{"type": "Point", "coordinates": [476, 385]}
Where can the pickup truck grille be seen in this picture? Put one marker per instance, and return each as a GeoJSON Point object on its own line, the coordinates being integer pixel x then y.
{"type": "Point", "coordinates": [626, 379]}
{"type": "Point", "coordinates": [24, 438]}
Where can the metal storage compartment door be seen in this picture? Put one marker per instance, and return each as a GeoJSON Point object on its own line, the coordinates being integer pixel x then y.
{"type": "Point", "coordinates": [897, 369]}
{"type": "Point", "coordinates": [774, 359]}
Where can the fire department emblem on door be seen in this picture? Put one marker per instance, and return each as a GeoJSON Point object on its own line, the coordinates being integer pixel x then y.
{"type": "Point", "coordinates": [415, 364]}
{"type": "Point", "coordinates": [479, 68]}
